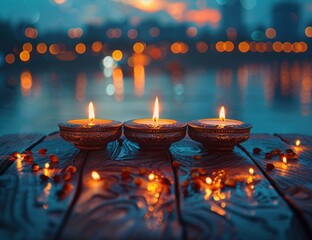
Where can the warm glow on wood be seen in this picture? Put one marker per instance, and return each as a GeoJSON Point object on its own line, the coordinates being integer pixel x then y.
{"type": "Point", "coordinates": [222, 114]}
{"type": "Point", "coordinates": [251, 171]}
{"type": "Point", "coordinates": [298, 143]}
{"type": "Point", "coordinates": [95, 175]}
{"type": "Point", "coordinates": [91, 113]}
{"type": "Point", "coordinates": [285, 160]}
{"type": "Point", "coordinates": [156, 111]}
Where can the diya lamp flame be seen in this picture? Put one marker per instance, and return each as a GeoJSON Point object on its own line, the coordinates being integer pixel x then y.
{"type": "Point", "coordinates": [222, 114]}
{"type": "Point", "coordinates": [95, 176]}
{"type": "Point", "coordinates": [46, 166]}
{"type": "Point", "coordinates": [298, 143]}
{"type": "Point", "coordinates": [91, 113]}
{"type": "Point", "coordinates": [156, 112]}
{"type": "Point", "coordinates": [154, 133]}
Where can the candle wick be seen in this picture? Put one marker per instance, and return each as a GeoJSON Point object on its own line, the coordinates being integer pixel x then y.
{"type": "Point", "coordinates": [91, 122]}
{"type": "Point", "coordinates": [155, 120]}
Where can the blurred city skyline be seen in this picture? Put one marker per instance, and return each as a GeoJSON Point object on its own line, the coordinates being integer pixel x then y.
{"type": "Point", "coordinates": [51, 15]}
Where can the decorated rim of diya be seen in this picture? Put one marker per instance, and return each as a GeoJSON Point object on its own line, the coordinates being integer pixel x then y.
{"type": "Point", "coordinates": [154, 128]}
{"type": "Point", "coordinates": [212, 128]}
{"type": "Point", "coordinates": [101, 127]}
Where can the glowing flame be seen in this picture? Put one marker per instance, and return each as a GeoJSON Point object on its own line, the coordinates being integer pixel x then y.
{"type": "Point", "coordinates": [298, 143]}
{"type": "Point", "coordinates": [91, 113]}
{"type": "Point", "coordinates": [95, 176]}
{"type": "Point", "coordinates": [251, 171]}
{"type": "Point", "coordinates": [156, 111]}
{"type": "Point", "coordinates": [47, 165]}
{"type": "Point", "coordinates": [151, 177]}
{"type": "Point", "coordinates": [208, 180]}
{"type": "Point", "coordinates": [222, 114]}
{"type": "Point", "coordinates": [284, 160]}
{"type": "Point", "coordinates": [19, 156]}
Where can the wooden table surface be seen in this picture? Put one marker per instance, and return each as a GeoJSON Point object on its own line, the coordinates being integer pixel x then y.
{"type": "Point", "coordinates": [175, 203]}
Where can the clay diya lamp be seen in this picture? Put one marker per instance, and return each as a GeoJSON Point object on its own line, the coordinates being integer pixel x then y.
{"type": "Point", "coordinates": [154, 133]}
{"type": "Point", "coordinates": [91, 133]}
{"type": "Point", "coordinates": [219, 134]}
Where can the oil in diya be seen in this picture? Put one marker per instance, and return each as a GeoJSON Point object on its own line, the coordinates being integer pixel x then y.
{"type": "Point", "coordinates": [154, 133]}
{"type": "Point", "coordinates": [90, 133]}
{"type": "Point", "coordinates": [219, 134]}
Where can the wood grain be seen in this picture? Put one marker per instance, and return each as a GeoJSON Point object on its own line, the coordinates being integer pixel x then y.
{"type": "Point", "coordinates": [294, 180]}
{"type": "Point", "coordinates": [15, 143]}
{"type": "Point", "coordinates": [243, 211]}
{"type": "Point", "coordinates": [125, 204]}
{"type": "Point", "coordinates": [30, 208]}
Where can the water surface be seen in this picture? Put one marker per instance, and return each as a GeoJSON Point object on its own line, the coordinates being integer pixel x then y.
{"type": "Point", "coordinates": [273, 97]}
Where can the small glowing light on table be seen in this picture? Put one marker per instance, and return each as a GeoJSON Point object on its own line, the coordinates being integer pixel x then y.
{"type": "Point", "coordinates": [284, 160]}
{"type": "Point", "coordinates": [297, 146]}
{"type": "Point", "coordinates": [96, 182]}
{"type": "Point", "coordinates": [19, 165]}
{"type": "Point", "coordinates": [251, 171]}
{"type": "Point", "coordinates": [219, 134]}
{"type": "Point", "coordinates": [298, 143]}
{"type": "Point", "coordinates": [154, 133]}
{"type": "Point", "coordinates": [208, 180]}
{"type": "Point", "coordinates": [95, 176]}
{"type": "Point", "coordinates": [19, 157]}
{"type": "Point", "coordinates": [151, 176]}
{"type": "Point", "coordinates": [46, 170]}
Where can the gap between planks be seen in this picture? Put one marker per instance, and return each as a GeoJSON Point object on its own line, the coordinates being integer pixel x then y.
{"type": "Point", "coordinates": [177, 194]}
{"type": "Point", "coordinates": [78, 191]}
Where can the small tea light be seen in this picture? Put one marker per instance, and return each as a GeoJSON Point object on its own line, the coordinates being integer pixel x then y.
{"type": "Point", "coordinates": [46, 170]}
{"type": "Point", "coordinates": [151, 176]}
{"type": "Point", "coordinates": [298, 143]}
{"type": "Point", "coordinates": [208, 180]}
{"type": "Point", "coordinates": [154, 133]}
{"type": "Point", "coordinates": [219, 134]}
{"type": "Point", "coordinates": [90, 133]}
{"type": "Point", "coordinates": [95, 176]}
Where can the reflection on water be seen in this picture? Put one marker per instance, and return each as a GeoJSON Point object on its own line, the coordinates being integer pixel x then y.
{"type": "Point", "coordinates": [273, 97]}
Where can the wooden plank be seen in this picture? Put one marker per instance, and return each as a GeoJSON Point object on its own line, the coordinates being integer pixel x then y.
{"type": "Point", "coordinates": [15, 143]}
{"type": "Point", "coordinates": [294, 180]}
{"type": "Point", "coordinates": [125, 204]}
{"type": "Point", "coordinates": [245, 208]}
{"type": "Point", "coordinates": [30, 208]}
{"type": "Point", "coordinates": [290, 139]}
